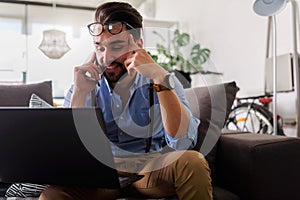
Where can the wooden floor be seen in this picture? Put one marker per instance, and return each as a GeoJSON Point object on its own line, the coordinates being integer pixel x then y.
{"type": "Point", "coordinates": [289, 127]}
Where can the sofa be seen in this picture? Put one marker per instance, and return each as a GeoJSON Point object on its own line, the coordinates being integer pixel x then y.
{"type": "Point", "coordinates": [244, 166]}
{"type": "Point", "coordinates": [257, 167]}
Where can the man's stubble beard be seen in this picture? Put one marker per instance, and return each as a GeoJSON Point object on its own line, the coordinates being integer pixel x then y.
{"type": "Point", "coordinates": [114, 77]}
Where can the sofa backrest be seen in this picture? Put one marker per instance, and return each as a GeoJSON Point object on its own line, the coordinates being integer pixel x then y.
{"type": "Point", "coordinates": [19, 95]}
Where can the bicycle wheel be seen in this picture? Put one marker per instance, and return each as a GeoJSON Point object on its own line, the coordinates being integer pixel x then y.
{"type": "Point", "coordinates": [254, 118]}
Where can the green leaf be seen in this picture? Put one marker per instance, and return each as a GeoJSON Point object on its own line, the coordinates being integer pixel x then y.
{"type": "Point", "coordinates": [198, 55]}
{"type": "Point", "coordinates": [183, 40]}
{"type": "Point", "coordinates": [168, 58]}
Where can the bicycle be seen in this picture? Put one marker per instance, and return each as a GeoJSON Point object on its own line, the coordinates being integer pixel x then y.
{"type": "Point", "coordinates": [249, 116]}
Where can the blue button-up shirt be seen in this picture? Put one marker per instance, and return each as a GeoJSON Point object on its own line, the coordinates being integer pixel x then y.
{"type": "Point", "coordinates": [128, 126]}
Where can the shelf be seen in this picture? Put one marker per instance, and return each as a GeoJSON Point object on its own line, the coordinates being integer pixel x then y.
{"type": "Point", "coordinates": [160, 23]}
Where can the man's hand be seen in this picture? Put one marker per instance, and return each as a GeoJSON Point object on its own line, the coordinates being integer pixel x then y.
{"type": "Point", "coordinates": [175, 116]}
{"type": "Point", "coordinates": [86, 76]}
{"type": "Point", "coordinates": [85, 79]}
{"type": "Point", "coordinates": [139, 60]}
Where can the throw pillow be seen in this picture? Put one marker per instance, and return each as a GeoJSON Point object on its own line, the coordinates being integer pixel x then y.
{"type": "Point", "coordinates": [25, 190]}
{"type": "Point", "coordinates": [37, 102]}
{"type": "Point", "coordinates": [212, 105]}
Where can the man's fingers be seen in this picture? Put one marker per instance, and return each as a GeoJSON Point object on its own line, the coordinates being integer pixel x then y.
{"type": "Point", "coordinates": [92, 68]}
{"type": "Point", "coordinates": [93, 74]}
{"type": "Point", "coordinates": [129, 64]}
{"type": "Point", "coordinates": [89, 70]}
{"type": "Point", "coordinates": [93, 58]}
{"type": "Point", "coordinates": [133, 46]}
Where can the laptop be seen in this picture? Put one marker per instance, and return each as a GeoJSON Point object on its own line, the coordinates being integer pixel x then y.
{"type": "Point", "coordinates": [61, 146]}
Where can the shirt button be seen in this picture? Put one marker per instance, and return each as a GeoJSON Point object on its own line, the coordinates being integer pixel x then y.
{"type": "Point", "coordinates": [121, 118]}
{"type": "Point", "coordinates": [118, 105]}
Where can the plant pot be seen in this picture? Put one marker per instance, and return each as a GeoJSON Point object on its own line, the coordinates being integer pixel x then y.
{"type": "Point", "coordinates": [184, 78]}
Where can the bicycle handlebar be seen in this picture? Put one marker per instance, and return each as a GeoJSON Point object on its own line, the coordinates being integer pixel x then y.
{"type": "Point", "coordinates": [255, 97]}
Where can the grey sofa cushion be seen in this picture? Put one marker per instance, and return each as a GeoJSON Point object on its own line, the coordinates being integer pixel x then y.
{"type": "Point", "coordinates": [19, 95]}
{"type": "Point", "coordinates": [222, 194]}
{"type": "Point", "coordinates": [212, 105]}
{"type": "Point", "coordinates": [259, 166]}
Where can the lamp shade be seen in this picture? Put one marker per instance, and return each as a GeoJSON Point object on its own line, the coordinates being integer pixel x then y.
{"type": "Point", "coordinates": [268, 7]}
{"type": "Point", "coordinates": [54, 44]}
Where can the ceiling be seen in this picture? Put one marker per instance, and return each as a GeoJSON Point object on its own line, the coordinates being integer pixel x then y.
{"type": "Point", "coordinates": [86, 3]}
{"type": "Point", "coordinates": [142, 5]}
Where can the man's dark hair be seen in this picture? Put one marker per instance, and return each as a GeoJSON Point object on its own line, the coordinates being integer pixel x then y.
{"type": "Point", "coordinates": [119, 11]}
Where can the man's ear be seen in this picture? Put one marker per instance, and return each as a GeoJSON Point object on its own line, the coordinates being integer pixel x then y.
{"type": "Point", "coordinates": [140, 42]}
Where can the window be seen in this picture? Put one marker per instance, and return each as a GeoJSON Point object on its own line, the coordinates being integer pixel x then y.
{"type": "Point", "coordinates": [20, 54]}
{"type": "Point", "coordinates": [13, 44]}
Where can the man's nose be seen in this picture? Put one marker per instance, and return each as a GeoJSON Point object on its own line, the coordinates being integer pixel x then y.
{"type": "Point", "coordinates": [108, 57]}
{"type": "Point", "coordinates": [105, 56]}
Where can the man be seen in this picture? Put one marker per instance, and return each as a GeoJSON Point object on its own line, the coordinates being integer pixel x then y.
{"type": "Point", "coordinates": [122, 86]}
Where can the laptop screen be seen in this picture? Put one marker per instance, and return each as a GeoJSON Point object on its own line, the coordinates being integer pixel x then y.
{"type": "Point", "coordinates": [61, 146]}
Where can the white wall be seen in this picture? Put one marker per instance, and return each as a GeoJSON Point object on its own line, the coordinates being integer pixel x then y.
{"type": "Point", "coordinates": [236, 37]}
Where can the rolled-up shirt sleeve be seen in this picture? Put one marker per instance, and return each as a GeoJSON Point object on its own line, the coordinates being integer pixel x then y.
{"type": "Point", "coordinates": [67, 100]}
{"type": "Point", "coordinates": [189, 140]}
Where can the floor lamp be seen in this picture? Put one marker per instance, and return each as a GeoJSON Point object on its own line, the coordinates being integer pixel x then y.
{"type": "Point", "coordinates": [271, 8]}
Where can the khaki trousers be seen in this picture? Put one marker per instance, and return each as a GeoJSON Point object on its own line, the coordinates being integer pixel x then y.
{"type": "Point", "coordinates": [182, 173]}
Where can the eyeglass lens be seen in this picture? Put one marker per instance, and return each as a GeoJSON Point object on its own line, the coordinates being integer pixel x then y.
{"type": "Point", "coordinates": [114, 28]}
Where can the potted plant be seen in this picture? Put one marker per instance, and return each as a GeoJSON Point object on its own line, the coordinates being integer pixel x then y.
{"type": "Point", "coordinates": [181, 56]}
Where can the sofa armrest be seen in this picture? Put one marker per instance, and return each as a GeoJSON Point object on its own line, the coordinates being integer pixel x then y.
{"type": "Point", "coordinates": [259, 167]}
